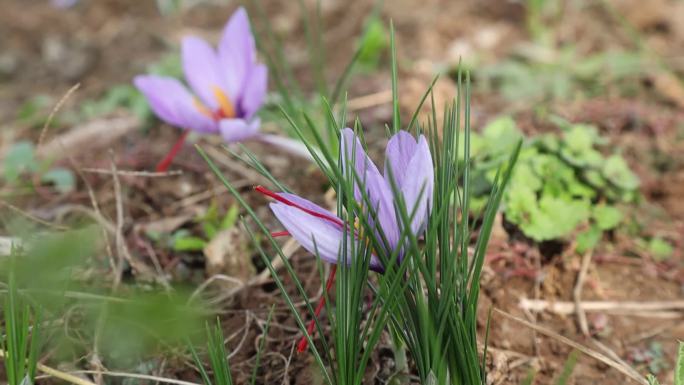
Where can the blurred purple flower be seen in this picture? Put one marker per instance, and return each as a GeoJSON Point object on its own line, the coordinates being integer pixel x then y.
{"type": "Point", "coordinates": [322, 233]}
{"type": "Point", "coordinates": [229, 84]}
{"type": "Point", "coordinates": [63, 4]}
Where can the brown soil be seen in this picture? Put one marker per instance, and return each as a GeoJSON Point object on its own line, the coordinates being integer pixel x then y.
{"type": "Point", "coordinates": [102, 43]}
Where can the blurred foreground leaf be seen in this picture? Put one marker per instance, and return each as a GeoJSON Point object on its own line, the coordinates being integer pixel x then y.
{"type": "Point", "coordinates": [142, 322]}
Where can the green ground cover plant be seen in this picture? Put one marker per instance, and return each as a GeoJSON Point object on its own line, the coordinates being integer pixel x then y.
{"type": "Point", "coordinates": [562, 182]}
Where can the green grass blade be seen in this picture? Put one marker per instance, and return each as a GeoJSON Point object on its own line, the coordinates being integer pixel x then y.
{"type": "Point", "coordinates": [314, 48]}
{"type": "Point", "coordinates": [568, 368]}
{"type": "Point", "coordinates": [396, 118]}
{"type": "Point", "coordinates": [262, 344]}
{"type": "Point", "coordinates": [414, 118]}
{"type": "Point", "coordinates": [529, 379]}
{"type": "Point", "coordinates": [679, 366]}
{"type": "Point", "coordinates": [342, 80]}
{"type": "Point", "coordinates": [218, 355]}
{"type": "Point", "coordinates": [200, 366]}
{"type": "Point", "coordinates": [34, 350]}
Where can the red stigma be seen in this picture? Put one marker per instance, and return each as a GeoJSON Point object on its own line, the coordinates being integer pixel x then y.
{"type": "Point", "coordinates": [276, 234]}
{"type": "Point", "coordinates": [219, 115]}
{"type": "Point", "coordinates": [288, 202]}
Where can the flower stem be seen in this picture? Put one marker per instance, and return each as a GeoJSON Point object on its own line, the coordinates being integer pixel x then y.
{"type": "Point", "coordinates": [163, 166]}
{"type": "Point", "coordinates": [303, 342]}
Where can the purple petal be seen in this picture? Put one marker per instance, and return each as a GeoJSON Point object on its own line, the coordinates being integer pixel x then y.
{"type": "Point", "coordinates": [237, 52]}
{"type": "Point", "coordinates": [172, 103]}
{"type": "Point", "coordinates": [418, 185]}
{"type": "Point", "coordinates": [318, 236]}
{"type": "Point", "coordinates": [202, 70]}
{"type": "Point", "coordinates": [63, 4]}
{"type": "Point", "coordinates": [237, 130]}
{"type": "Point", "coordinates": [254, 91]}
{"type": "Point", "coordinates": [313, 233]}
{"type": "Point", "coordinates": [379, 193]}
{"type": "Point", "coordinates": [400, 150]}
{"type": "Point", "coordinates": [307, 204]}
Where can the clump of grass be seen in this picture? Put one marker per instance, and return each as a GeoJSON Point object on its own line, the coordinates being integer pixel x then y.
{"type": "Point", "coordinates": [429, 296]}
{"type": "Point", "coordinates": [218, 356]}
{"type": "Point", "coordinates": [21, 341]}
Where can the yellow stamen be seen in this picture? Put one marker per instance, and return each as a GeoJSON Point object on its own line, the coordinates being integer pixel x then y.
{"type": "Point", "coordinates": [224, 103]}
{"type": "Point", "coordinates": [359, 233]}
{"type": "Point", "coordinates": [204, 110]}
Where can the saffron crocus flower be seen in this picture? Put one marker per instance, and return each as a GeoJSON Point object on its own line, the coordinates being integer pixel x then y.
{"type": "Point", "coordinates": [321, 232]}
{"type": "Point", "coordinates": [229, 85]}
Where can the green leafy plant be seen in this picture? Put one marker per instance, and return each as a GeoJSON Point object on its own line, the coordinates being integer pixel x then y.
{"type": "Point", "coordinates": [168, 7]}
{"type": "Point", "coordinates": [33, 112]}
{"type": "Point", "coordinates": [372, 43]}
{"type": "Point", "coordinates": [678, 370]}
{"type": "Point", "coordinates": [538, 73]}
{"type": "Point", "coordinates": [652, 357]}
{"type": "Point", "coordinates": [560, 183]}
{"type": "Point", "coordinates": [548, 68]}
{"type": "Point", "coordinates": [21, 161]}
{"type": "Point", "coordinates": [211, 223]}
{"type": "Point", "coordinates": [660, 249]}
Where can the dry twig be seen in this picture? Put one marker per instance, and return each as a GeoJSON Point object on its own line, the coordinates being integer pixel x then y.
{"type": "Point", "coordinates": [628, 371]}
{"type": "Point", "coordinates": [54, 111]}
{"type": "Point", "coordinates": [32, 217]}
{"type": "Point", "coordinates": [118, 240]}
{"type": "Point", "coordinates": [370, 100]}
{"type": "Point", "coordinates": [655, 309]}
{"type": "Point", "coordinates": [145, 174]}
{"type": "Point", "coordinates": [127, 375]}
{"type": "Point", "coordinates": [236, 167]}
{"type": "Point", "coordinates": [94, 134]}
{"type": "Point", "coordinates": [577, 294]}
{"type": "Point", "coordinates": [196, 198]}
{"type": "Point", "coordinates": [68, 377]}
